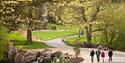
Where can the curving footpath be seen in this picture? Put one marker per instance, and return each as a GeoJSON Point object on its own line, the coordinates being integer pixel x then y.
{"type": "Point", "coordinates": [118, 57]}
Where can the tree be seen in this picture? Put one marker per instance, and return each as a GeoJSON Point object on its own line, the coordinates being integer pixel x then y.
{"type": "Point", "coordinates": [30, 13]}
{"type": "Point", "coordinates": [72, 10]}
{"type": "Point", "coordinates": [112, 28]}
{"type": "Point", "coordinates": [89, 11]}
{"type": "Point", "coordinates": [6, 14]}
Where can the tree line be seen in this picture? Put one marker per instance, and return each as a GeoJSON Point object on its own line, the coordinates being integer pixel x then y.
{"type": "Point", "coordinates": [103, 16]}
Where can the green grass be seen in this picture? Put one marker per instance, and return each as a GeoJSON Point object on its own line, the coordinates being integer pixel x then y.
{"type": "Point", "coordinates": [65, 27]}
{"type": "Point", "coordinates": [35, 45]}
{"type": "Point", "coordinates": [72, 41]}
{"type": "Point", "coordinates": [48, 35]}
{"type": "Point", "coordinates": [21, 42]}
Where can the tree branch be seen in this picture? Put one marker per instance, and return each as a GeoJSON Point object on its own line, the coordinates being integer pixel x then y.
{"type": "Point", "coordinates": [93, 17]}
{"type": "Point", "coordinates": [83, 14]}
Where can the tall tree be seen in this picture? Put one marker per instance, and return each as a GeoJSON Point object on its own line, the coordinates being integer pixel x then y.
{"type": "Point", "coordinates": [112, 28]}
{"type": "Point", "coordinates": [29, 12]}
{"type": "Point", "coordinates": [88, 9]}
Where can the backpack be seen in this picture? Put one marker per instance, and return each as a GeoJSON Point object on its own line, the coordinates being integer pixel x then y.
{"type": "Point", "coordinates": [103, 54]}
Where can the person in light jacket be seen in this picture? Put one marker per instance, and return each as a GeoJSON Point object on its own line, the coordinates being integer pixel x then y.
{"type": "Point", "coordinates": [98, 55]}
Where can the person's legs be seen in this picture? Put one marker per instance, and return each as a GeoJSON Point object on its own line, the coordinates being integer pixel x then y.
{"type": "Point", "coordinates": [98, 59]}
{"type": "Point", "coordinates": [92, 59]}
{"type": "Point", "coordinates": [102, 59]}
{"type": "Point", "coordinates": [111, 58]}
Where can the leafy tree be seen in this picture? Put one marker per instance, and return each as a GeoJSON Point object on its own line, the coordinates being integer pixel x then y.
{"type": "Point", "coordinates": [79, 11]}
{"type": "Point", "coordinates": [89, 10]}
{"type": "Point", "coordinates": [112, 28]}
{"type": "Point", "coordinates": [6, 14]}
{"type": "Point", "coordinates": [29, 12]}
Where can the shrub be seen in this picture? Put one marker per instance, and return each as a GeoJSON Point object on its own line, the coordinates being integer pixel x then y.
{"type": "Point", "coordinates": [77, 51]}
{"type": "Point", "coordinates": [3, 42]}
{"type": "Point", "coordinates": [53, 28]}
{"type": "Point", "coordinates": [57, 54]}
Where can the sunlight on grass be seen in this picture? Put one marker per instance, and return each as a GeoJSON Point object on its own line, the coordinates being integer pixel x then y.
{"type": "Point", "coordinates": [72, 41]}
{"type": "Point", "coordinates": [47, 35]}
{"type": "Point", "coordinates": [21, 42]}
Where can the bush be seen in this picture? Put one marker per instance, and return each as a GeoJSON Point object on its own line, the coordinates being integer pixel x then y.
{"type": "Point", "coordinates": [3, 42]}
{"type": "Point", "coordinates": [77, 51]}
{"type": "Point", "coordinates": [57, 54]}
{"type": "Point", "coordinates": [53, 28]}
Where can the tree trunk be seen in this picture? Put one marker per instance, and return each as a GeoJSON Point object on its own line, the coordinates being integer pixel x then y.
{"type": "Point", "coordinates": [29, 36]}
{"type": "Point", "coordinates": [89, 35]}
{"type": "Point", "coordinates": [29, 32]}
{"type": "Point", "coordinates": [106, 37]}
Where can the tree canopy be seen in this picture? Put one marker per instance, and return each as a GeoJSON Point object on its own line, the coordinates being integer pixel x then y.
{"type": "Point", "coordinates": [103, 16]}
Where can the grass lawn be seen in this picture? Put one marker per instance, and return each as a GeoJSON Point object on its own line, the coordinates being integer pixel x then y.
{"type": "Point", "coordinates": [48, 35]}
{"type": "Point", "coordinates": [64, 27]}
{"type": "Point", "coordinates": [72, 41]}
{"type": "Point", "coordinates": [20, 42]}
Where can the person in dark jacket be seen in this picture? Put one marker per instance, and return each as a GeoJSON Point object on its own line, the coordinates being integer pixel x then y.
{"type": "Point", "coordinates": [98, 55]}
{"type": "Point", "coordinates": [110, 53]}
{"type": "Point", "coordinates": [92, 53]}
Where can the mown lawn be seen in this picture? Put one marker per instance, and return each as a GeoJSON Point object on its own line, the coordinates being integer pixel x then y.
{"type": "Point", "coordinates": [65, 27]}
{"type": "Point", "coordinates": [72, 41]}
{"type": "Point", "coordinates": [21, 42]}
{"type": "Point", "coordinates": [48, 35]}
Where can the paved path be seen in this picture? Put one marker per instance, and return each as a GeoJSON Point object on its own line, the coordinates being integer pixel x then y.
{"type": "Point", "coordinates": [58, 42]}
{"type": "Point", "coordinates": [118, 57]}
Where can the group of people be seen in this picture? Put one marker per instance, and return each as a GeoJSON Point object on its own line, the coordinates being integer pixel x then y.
{"type": "Point", "coordinates": [100, 53]}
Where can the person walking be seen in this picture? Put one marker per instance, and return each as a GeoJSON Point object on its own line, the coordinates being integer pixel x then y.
{"type": "Point", "coordinates": [98, 55]}
{"type": "Point", "coordinates": [92, 53]}
{"type": "Point", "coordinates": [80, 32]}
{"type": "Point", "coordinates": [103, 56]}
{"type": "Point", "coordinates": [110, 53]}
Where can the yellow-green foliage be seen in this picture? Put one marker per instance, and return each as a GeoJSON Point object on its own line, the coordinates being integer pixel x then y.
{"type": "Point", "coordinates": [3, 40]}
{"type": "Point", "coordinates": [77, 51]}
{"type": "Point", "coordinates": [113, 18]}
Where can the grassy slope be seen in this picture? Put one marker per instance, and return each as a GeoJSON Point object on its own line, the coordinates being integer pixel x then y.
{"type": "Point", "coordinates": [72, 41]}
{"type": "Point", "coordinates": [65, 27]}
{"type": "Point", "coordinates": [20, 41]}
{"type": "Point", "coordinates": [52, 34]}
